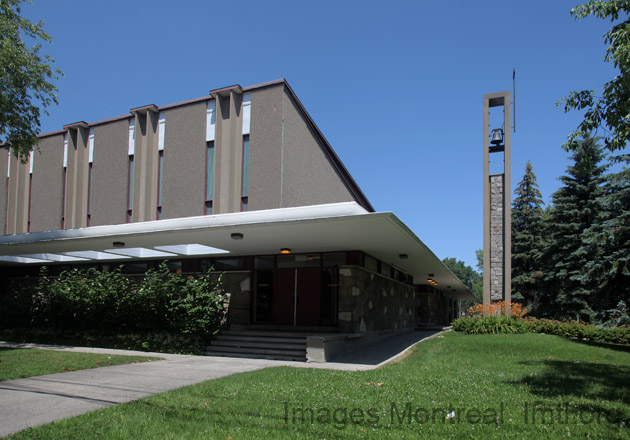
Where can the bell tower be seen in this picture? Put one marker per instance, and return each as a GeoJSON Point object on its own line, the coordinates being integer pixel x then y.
{"type": "Point", "coordinates": [497, 212]}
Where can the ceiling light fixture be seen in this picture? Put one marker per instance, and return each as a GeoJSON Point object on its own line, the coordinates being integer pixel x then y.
{"type": "Point", "coordinates": [236, 236]}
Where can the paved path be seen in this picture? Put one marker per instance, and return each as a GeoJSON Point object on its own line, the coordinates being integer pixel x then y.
{"type": "Point", "coordinates": [38, 400]}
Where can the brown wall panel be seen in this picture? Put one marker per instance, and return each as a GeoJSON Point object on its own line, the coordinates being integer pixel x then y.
{"type": "Point", "coordinates": [109, 173]}
{"type": "Point", "coordinates": [47, 189]}
{"type": "Point", "coordinates": [265, 149]}
{"type": "Point", "coordinates": [309, 177]}
{"type": "Point", "coordinates": [183, 189]}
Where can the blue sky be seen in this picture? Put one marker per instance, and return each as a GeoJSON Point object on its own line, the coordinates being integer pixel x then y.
{"type": "Point", "coordinates": [396, 87]}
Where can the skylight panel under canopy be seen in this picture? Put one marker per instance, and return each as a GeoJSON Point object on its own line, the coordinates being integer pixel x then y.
{"type": "Point", "coordinates": [192, 249]}
{"type": "Point", "coordinates": [140, 252]}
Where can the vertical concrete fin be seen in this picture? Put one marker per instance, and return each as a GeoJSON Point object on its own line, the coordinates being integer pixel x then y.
{"type": "Point", "coordinates": [228, 148]}
{"type": "Point", "coordinates": [146, 151]}
{"type": "Point", "coordinates": [76, 158]}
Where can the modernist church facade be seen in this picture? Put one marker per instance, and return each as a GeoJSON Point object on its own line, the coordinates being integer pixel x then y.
{"type": "Point", "coordinates": [241, 180]}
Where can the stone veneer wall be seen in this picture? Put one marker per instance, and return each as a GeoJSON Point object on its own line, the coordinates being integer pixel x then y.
{"type": "Point", "coordinates": [432, 309]}
{"type": "Point", "coordinates": [496, 237]}
{"type": "Point", "coordinates": [370, 302]}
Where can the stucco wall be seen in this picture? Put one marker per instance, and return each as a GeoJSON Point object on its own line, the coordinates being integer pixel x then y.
{"type": "Point", "coordinates": [47, 183]}
{"type": "Point", "coordinates": [183, 189]}
{"type": "Point", "coordinates": [109, 173]}
{"type": "Point", "coordinates": [370, 302]}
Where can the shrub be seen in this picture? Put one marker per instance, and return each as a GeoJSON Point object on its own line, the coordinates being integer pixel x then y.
{"type": "Point", "coordinates": [572, 329]}
{"type": "Point", "coordinates": [489, 325]}
{"type": "Point", "coordinates": [81, 299]}
{"type": "Point", "coordinates": [498, 308]}
{"type": "Point", "coordinates": [156, 341]}
{"type": "Point", "coordinates": [198, 309]}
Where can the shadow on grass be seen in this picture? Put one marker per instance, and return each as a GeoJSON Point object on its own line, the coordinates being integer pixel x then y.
{"type": "Point", "coordinates": [616, 347]}
{"type": "Point", "coordinates": [251, 422]}
{"type": "Point", "coordinates": [593, 381]}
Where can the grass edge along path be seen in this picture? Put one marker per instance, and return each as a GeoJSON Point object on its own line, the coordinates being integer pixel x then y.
{"type": "Point", "coordinates": [17, 363]}
{"type": "Point", "coordinates": [456, 386]}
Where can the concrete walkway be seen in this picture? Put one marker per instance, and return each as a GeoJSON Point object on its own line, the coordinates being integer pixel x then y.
{"type": "Point", "coordinates": [35, 401]}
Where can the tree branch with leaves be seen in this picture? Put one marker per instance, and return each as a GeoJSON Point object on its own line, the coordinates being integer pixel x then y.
{"type": "Point", "coordinates": [26, 87]}
{"type": "Point", "coordinates": [609, 112]}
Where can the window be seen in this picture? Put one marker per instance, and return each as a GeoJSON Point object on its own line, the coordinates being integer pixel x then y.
{"type": "Point", "coordinates": [160, 180]}
{"type": "Point", "coordinates": [131, 153]}
{"type": "Point", "coordinates": [161, 126]}
{"type": "Point", "coordinates": [209, 177]}
{"type": "Point", "coordinates": [90, 162]}
{"type": "Point", "coordinates": [334, 259]}
{"type": "Point", "coordinates": [130, 191]}
{"type": "Point", "coordinates": [300, 260]}
{"type": "Point", "coordinates": [30, 189]}
{"type": "Point", "coordinates": [371, 263]}
{"type": "Point", "coordinates": [65, 180]}
{"type": "Point", "coordinates": [210, 130]}
{"type": "Point", "coordinates": [6, 208]}
{"type": "Point", "coordinates": [247, 109]}
{"type": "Point", "coordinates": [245, 179]}
{"type": "Point", "coordinates": [30, 200]}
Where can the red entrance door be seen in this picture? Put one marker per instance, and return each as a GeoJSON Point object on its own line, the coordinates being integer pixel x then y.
{"type": "Point", "coordinates": [297, 296]}
{"type": "Point", "coordinates": [309, 296]}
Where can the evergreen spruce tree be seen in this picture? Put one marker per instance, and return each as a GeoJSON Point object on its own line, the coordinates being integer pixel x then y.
{"type": "Point", "coordinates": [576, 207]}
{"type": "Point", "coordinates": [607, 242]}
{"type": "Point", "coordinates": [527, 240]}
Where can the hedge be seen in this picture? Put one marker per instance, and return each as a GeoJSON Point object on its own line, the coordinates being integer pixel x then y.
{"type": "Point", "coordinates": [575, 330]}
{"type": "Point", "coordinates": [110, 303]}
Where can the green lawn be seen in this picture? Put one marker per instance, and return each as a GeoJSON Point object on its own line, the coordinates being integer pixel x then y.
{"type": "Point", "coordinates": [16, 362]}
{"type": "Point", "coordinates": [498, 386]}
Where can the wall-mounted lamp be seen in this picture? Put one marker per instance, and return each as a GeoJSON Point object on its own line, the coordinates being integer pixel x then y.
{"type": "Point", "coordinates": [236, 236]}
{"type": "Point", "coordinates": [285, 251]}
{"type": "Point", "coordinates": [118, 244]}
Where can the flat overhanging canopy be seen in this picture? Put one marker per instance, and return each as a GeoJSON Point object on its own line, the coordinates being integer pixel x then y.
{"type": "Point", "coordinates": [320, 228]}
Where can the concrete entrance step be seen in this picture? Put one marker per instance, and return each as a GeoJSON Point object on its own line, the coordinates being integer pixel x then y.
{"type": "Point", "coordinates": [257, 338]}
{"type": "Point", "coordinates": [277, 357]}
{"type": "Point", "coordinates": [252, 350]}
{"type": "Point", "coordinates": [262, 343]}
{"type": "Point", "coordinates": [267, 334]}
{"type": "Point", "coordinates": [289, 328]}
{"type": "Point", "coordinates": [282, 344]}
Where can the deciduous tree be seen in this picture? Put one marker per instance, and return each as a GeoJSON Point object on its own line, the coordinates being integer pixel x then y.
{"type": "Point", "coordinates": [610, 110]}
{"type": "Point", "coordinates": [466, 275]}
{"type": "Point", "coordinates": [26, 77]}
